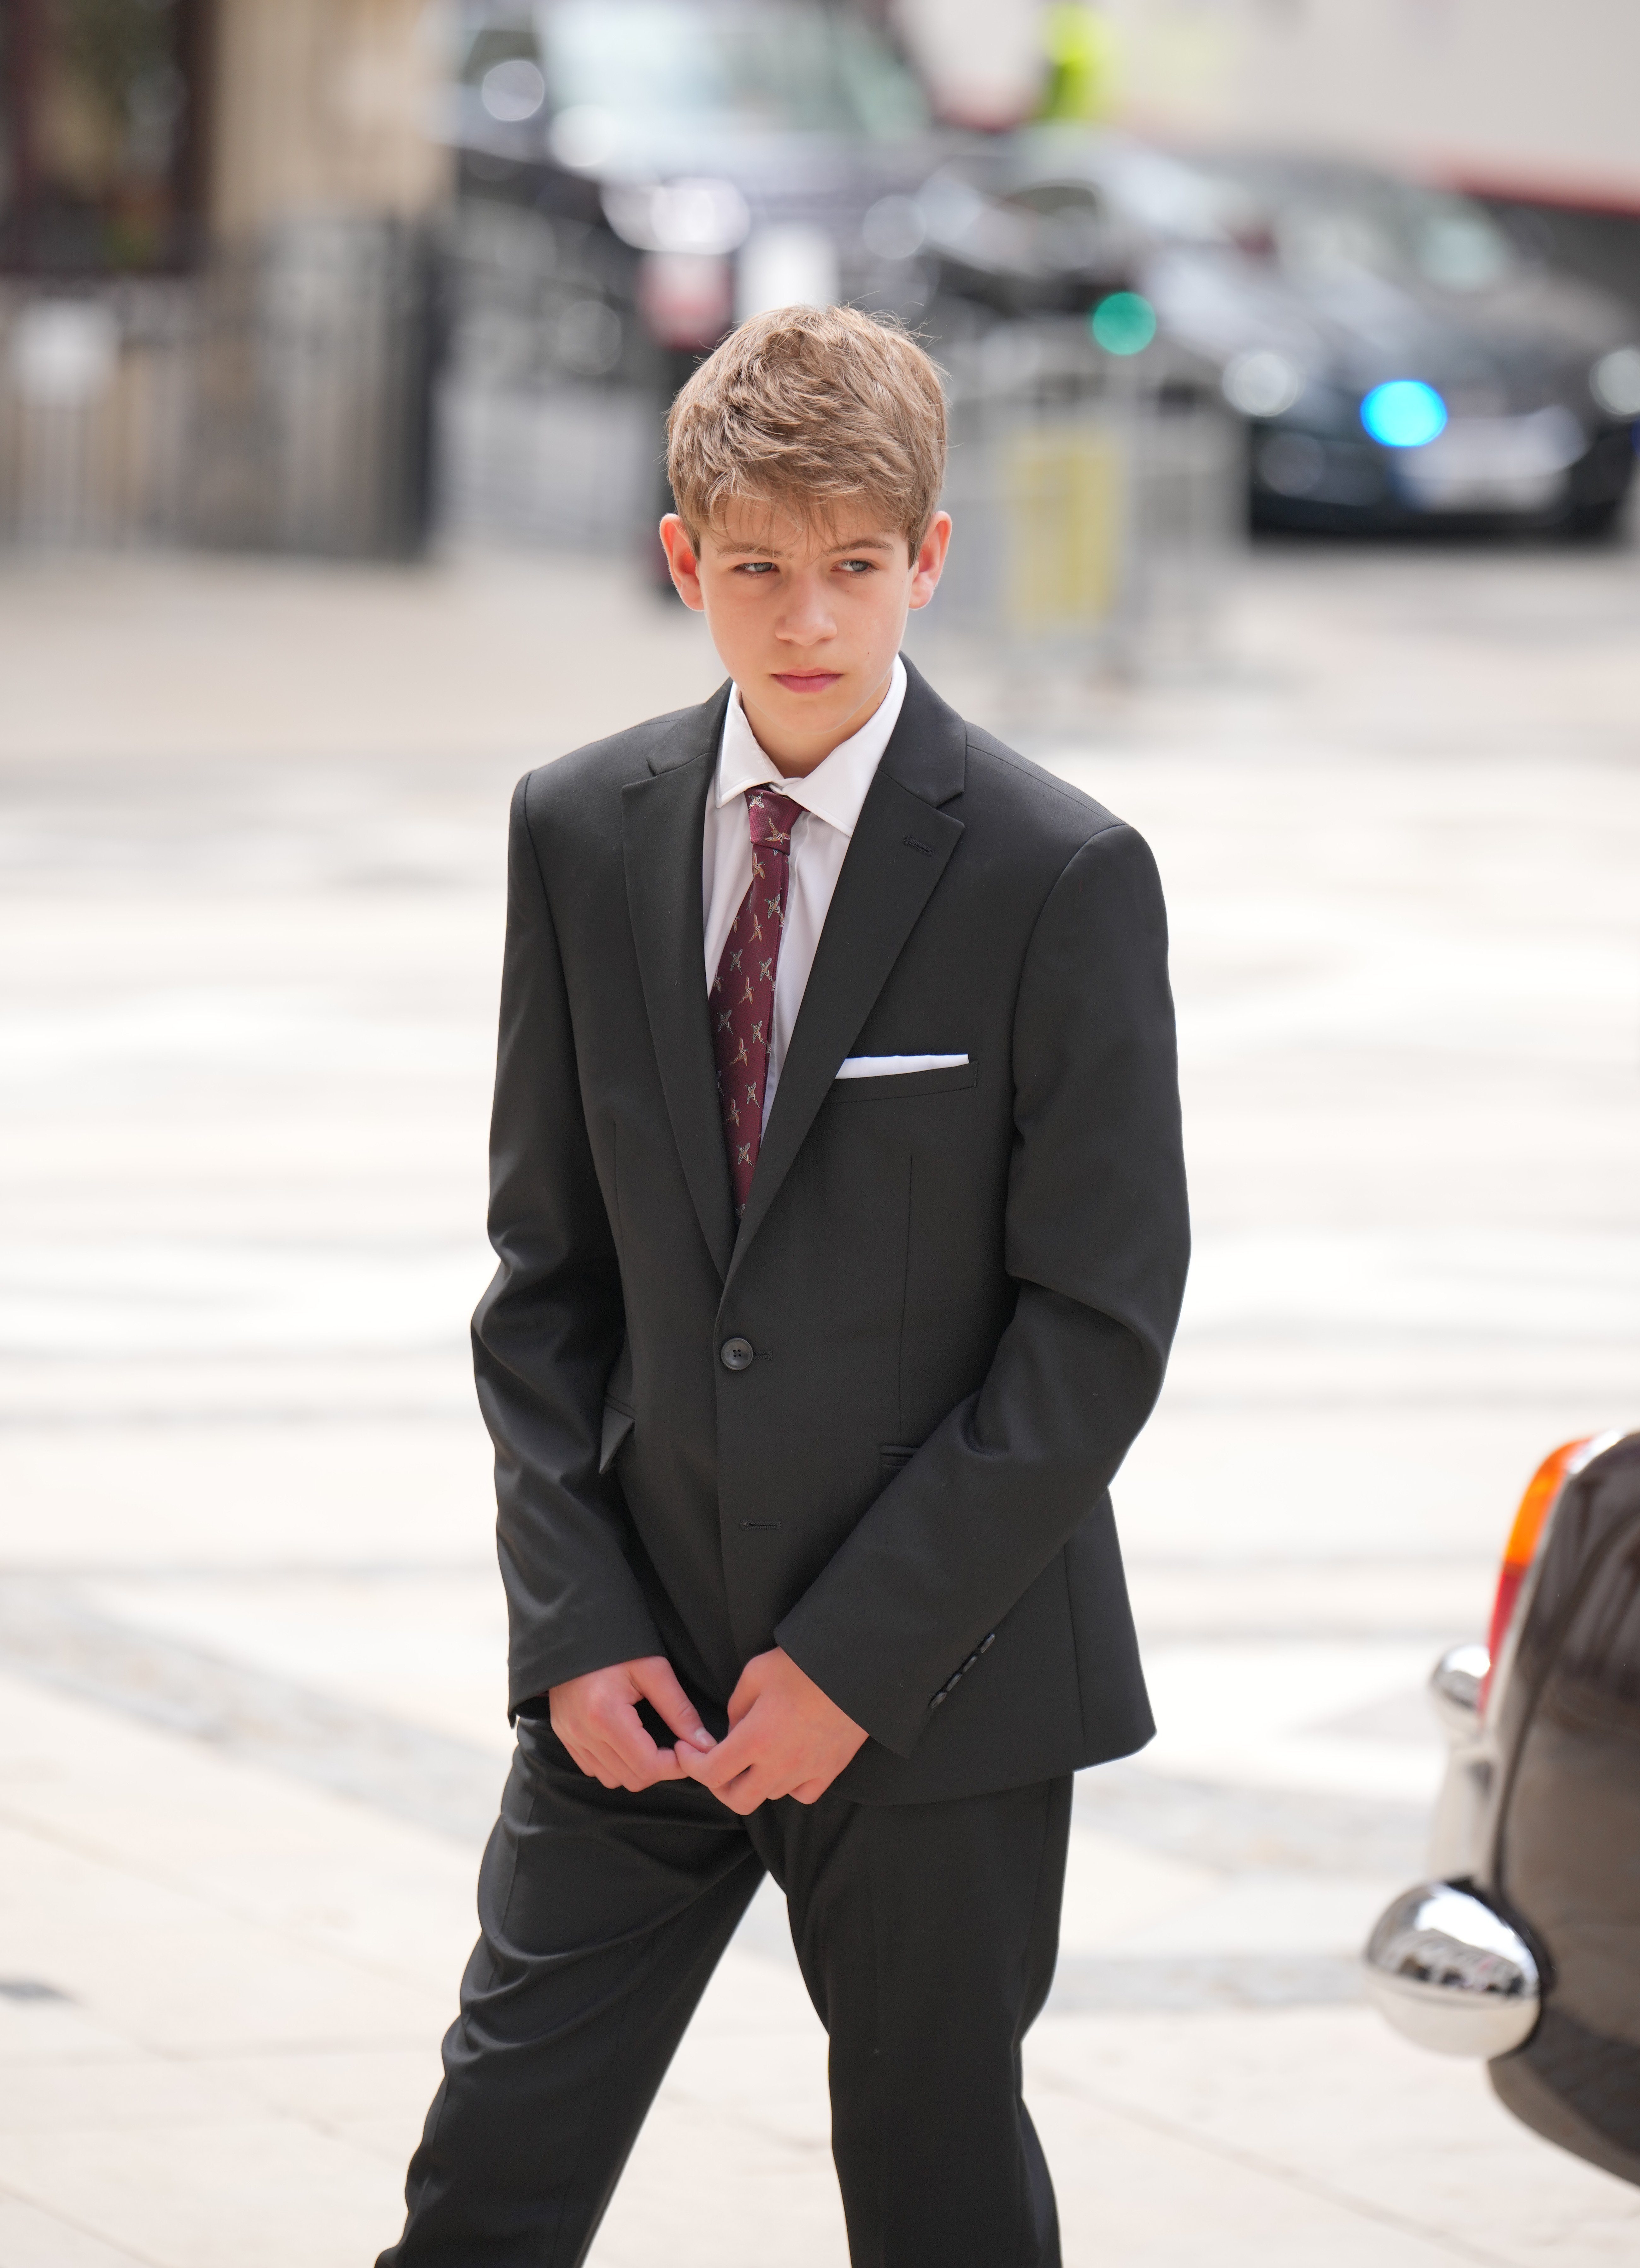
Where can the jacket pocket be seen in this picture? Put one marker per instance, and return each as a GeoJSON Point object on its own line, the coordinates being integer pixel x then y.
{"type": "Point", "coordinates": [617, 1424]}
{"type": "Point", "coordinates": [881, 1088]}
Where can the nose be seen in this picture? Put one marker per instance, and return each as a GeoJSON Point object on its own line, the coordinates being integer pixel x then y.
{"type": "Point", "coordinates": [806, 618]}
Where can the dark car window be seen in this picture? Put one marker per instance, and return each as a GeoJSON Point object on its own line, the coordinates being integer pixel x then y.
{"type": "Point", "coordinates": [1455, 242]}
{"type": "Point", "coordinates": [1321, 221]}
{"type": "Point", "coordinates": [1058, 200]}
{"type": "Point", "coordinates": [1405, 233]}
{"type": "Point", "coordinates": [1317, 220]}
{"type": "Point", "coordinates": [709, 66]}
{"type": "Point", "coordinates": [498, 43]}
{"type": "Point", "coordinates": [1189, 203]}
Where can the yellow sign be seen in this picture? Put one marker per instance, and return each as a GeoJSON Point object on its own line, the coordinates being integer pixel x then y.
{"type": "Point", "coordinates": [1063, 502]}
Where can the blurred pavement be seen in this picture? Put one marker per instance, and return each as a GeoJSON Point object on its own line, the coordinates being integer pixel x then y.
{"type": "Point", "coordinates": [251, 1637]}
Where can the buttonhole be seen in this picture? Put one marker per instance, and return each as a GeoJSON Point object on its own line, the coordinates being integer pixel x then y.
{"type": "Point", "coordinates": [911, 843]}
{"type": "Point", "coordinates": [760, 1523]}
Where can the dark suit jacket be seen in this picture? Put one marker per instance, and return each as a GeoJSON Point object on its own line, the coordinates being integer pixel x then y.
{"type": "Point", "coordinates": [959, 1285]}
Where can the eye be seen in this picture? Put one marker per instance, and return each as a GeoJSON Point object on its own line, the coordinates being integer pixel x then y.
{"type": "Point", "coordinates": [857, 566]}
{"type": "Point", "coordinates": [756, 567]}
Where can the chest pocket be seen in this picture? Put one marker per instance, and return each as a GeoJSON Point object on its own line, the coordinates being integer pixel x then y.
{"type": "Point", "coordinates": [884, 1087]}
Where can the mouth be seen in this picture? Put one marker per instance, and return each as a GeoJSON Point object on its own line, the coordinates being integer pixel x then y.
{"type": "Point", "coordinates": [807, 681]}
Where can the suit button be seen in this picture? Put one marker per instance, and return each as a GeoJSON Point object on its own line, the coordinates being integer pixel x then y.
{"type": "Point", "coordinates": [737, 1354]}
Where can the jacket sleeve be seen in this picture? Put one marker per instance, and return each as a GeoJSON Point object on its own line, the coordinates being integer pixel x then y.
{"type": "Point", "coordinates": [547, 1332]}
{"type": "Point", "coordinates": [1097, 1242]}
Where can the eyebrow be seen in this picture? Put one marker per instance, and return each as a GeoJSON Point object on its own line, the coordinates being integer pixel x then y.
{"type": "Point", "coordinates": [834, 551]}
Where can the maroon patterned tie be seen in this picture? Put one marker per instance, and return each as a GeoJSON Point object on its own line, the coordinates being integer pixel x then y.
{"type": "Point", "coordinates": [743, 995]}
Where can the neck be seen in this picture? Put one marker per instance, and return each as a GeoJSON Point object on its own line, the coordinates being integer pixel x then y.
{"type": "Point", "coordinates": [795, 755]}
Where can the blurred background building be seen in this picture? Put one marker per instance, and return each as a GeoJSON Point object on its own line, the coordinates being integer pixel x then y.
{"type": "Point", "coordinates": [216, 306]}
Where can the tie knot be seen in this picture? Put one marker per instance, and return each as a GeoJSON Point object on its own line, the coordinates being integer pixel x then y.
{"type": "Point", "coordinates": [771, 816]}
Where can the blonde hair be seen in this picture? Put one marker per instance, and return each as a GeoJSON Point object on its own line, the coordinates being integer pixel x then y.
{"type": "Point", "coordinates": [804, 407]}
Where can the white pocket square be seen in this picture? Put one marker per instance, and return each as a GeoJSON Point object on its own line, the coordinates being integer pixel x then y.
{"type": "Point", "coordinates": [892, 1066]}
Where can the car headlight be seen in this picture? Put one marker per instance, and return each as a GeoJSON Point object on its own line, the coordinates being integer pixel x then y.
{"type": "Point", "coordinates": [1262, 383]}
{"type": "Point", "coordinates": [1614, 381]}
{"type": "Point", "coordinates": [704, 217]}
{"type": "Point", "coordinates": [1404, 413]}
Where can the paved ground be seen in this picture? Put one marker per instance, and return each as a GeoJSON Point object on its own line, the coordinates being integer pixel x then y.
{"type": "Point", "coordinates": [250, 1702]}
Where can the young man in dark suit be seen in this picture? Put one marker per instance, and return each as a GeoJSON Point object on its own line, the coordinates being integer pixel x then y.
{"type": "Point", "coordinates": [838, 1197]}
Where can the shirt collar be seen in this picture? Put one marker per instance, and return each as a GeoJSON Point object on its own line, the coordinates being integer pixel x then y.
{"type": "Point", "coordinates": [836, 788]}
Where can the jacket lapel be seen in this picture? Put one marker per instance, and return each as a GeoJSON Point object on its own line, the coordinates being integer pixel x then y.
{"type": "Point", "coordinates": [662, 818]}
{"type": "Point", "coordinates": [900, 849]}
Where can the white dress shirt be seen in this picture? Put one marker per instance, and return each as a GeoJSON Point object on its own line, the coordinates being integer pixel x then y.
{"type": "Point", "coordinates": [830, 796]}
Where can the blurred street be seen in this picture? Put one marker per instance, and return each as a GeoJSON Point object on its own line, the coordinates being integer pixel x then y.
{"type": "Point", "coordinates": [251, 1633]}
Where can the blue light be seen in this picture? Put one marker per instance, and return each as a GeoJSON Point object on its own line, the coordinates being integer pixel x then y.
{"type": "Point", "coordinates": [1404, 414]}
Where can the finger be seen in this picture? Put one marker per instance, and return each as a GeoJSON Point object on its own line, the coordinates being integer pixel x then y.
{"type": "Point", "coordinates": [615, 1771]}
{"type": "Point", "coordinates": [580, 1733]}
{"type": "Point", "coordinates": [748, 1686]}
{"type": "Point", "coordinates": [657, 1682]}
{"type": "Point", "coordinates": [661, 1764]}
{"type": "Point", "coordinates": [629, 1749]}
{"type": "Point", "coordinates": [638, 1781]}
{"type": "Point", "coordinates": [585, 1753]}
{"type": "Point", "coordinates": [745, 1795]}
{"type": "Point", "coordinates": [730, 1757]}
{"type": "Point", "coordinates": [598, 1767]}
{"type": "Point", "coordinates": [740, 1796]}
{"type": "Point", "coordinates": [596, 1761]}
{"type": "Point", "coordinates": [810, 1792]}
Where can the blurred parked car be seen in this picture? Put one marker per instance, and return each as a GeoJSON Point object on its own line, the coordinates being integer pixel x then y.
{"type": "Point", "coordinates": [694, 159]}
{"type": "Point", "coordinates": [1399, 359]}
{"type": "Point", "coordinates": [1525, 1949]}
{"type": "Point", "coordinates": [636, 175]}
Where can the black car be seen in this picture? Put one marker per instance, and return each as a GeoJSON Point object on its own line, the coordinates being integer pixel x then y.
{"type": "Point", "coordinates": [1525, 1949]}
{"type": "Point", "coordinates": [1400, 360]}
{"type": "Point", "coordinates": [688, 161]}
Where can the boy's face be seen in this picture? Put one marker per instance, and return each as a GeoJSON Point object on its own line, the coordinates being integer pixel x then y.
{"type": "Point", "coordinates": [807, 619]}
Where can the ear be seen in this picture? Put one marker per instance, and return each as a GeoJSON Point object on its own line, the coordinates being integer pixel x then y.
{"type": "Point", "coordinates": [929, 564]}
{"type": "Point", "coordinates": [681, 557]}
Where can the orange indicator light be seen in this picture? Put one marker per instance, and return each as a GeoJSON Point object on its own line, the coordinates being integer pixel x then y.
{"type": "Point", "coordinates": [1524, 1538]}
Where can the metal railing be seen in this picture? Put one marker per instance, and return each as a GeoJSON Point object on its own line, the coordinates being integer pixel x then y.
{"type": "Point", "coordinates": [1101, 498]}
{"type": "Point", "coordinates": [278, 400]}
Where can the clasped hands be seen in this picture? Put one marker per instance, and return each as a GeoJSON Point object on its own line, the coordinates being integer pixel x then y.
{"type": "Point", "coordinates": [785, 1736]}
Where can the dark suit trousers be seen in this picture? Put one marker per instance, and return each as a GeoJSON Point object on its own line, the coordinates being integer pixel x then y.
{"type": "Point", "coordinates": [927, 1936]}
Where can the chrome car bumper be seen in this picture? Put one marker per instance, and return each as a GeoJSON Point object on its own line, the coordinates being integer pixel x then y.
{"type": "Point", "coordinates": [1452, 1973]}
{"type": "Point", "coordinates": [1445, 1967]}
